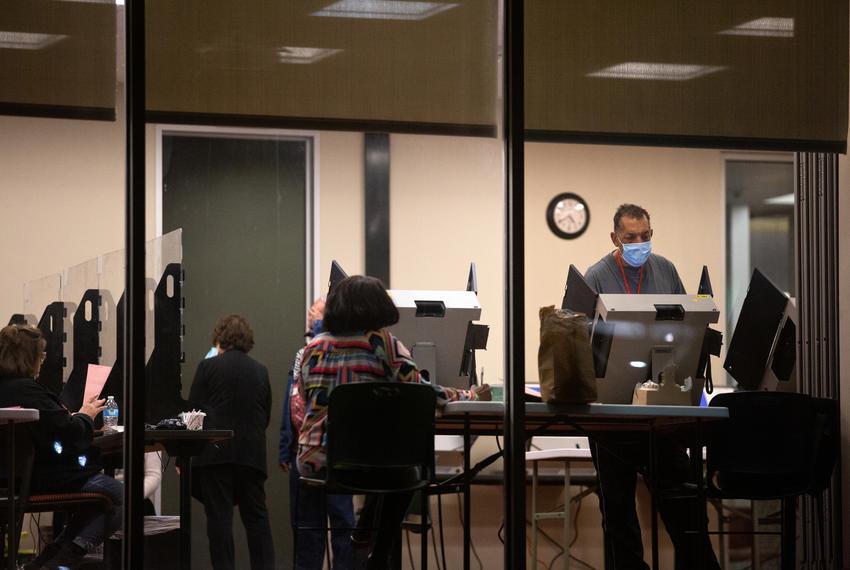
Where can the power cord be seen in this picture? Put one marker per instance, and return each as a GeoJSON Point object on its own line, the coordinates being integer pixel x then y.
{"type": "Point", "coordinates": [442, 538]}
{"type": "Point", "coordinates": [560, 548]}
{"type": "Point", "coordinates": [471, 543]}
{"type": "Point", "coordinates": [436, 556]}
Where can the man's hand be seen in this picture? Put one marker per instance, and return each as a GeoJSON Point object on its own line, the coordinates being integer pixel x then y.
{"type": "Point", "coordinates": [92, 407]}
{"type": "Point", "coordinates": [482, 392]}
{"type": "Point", "coordinates": [284, 467]}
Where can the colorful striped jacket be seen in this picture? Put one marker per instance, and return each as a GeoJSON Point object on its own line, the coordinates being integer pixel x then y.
{"type": "Point", "coordinates": [331, 360]}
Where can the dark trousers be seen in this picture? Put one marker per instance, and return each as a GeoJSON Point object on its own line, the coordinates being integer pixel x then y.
{"type": "Point", "coordinates": [618, 458]}
{"type": "Point", "coordinates": [311, 507]}
{"type": "Point", "coordinates": [224, 487]}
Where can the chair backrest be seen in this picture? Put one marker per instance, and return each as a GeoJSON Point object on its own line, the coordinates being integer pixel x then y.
{"type": "Point", "coordinates": [380, 436]}
{"type": "Point", "coordinates": [773, 445]}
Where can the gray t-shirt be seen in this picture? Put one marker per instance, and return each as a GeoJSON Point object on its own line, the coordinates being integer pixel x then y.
{"type": "Point", "coordinates": [659, 276]}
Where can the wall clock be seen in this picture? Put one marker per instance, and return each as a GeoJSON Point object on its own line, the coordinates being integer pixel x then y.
{"type": "Point", "coordinates": [568, 215]}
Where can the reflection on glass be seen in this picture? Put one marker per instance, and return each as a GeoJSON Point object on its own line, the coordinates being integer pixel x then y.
{"type": "Point", "coordinates": [764, 27]}
{"type": "Point", "coordinates": [384, 9]}
{"type": "Point", "coordinates": [657, 71]}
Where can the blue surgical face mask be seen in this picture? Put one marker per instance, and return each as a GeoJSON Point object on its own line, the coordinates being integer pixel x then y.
{"type": "Point", "coordinates": [317, 327]}
{"type": "Point", "coordinates": [636, 254]}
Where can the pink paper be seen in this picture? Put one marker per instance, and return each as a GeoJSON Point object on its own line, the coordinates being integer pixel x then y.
{"type": "Point", "coordinates": [95, 379]}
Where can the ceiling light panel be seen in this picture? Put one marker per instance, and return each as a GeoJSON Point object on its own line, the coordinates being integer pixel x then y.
{"type": "Point", "coordinates": [27, 40]}
{"type": "Point", "coordinates": [656, 71]}
{"type": "Point", "coordinates": [384, 9]}
{"type": "Point", "coordinates": [764, 27]}
{"type": "Point", "coordinates": [304, 55]}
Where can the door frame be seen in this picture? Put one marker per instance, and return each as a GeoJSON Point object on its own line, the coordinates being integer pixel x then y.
{"type": "Point", "coordinates": [311, 198]}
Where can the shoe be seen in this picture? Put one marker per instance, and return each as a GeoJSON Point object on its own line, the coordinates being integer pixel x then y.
{"type": "Point", "coordinates": [68, 558]}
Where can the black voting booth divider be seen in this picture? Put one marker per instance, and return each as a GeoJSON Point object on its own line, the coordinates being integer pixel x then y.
{"type": "Point", "coordinates": [86, 349]}
{"type": "Point", "coordinates": [52, 326]}
{"type": "Point", "coordinates": [162, 371]}
{"type": "Point", "coordinates": [762, 354]}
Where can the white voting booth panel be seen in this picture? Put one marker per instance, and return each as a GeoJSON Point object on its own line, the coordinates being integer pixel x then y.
{"type": "Point", "coordinates": [633, 334]}
{"type": "Point", "coordinates": [432, 325]}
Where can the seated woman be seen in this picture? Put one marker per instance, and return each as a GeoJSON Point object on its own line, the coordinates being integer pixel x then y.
{"type": "Point", "coordinates": [65, 461]}
{"type": "Point", "coordinates": [357, 347]}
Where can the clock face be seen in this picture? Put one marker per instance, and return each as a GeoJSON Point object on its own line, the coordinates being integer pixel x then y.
{"type": "Point", "coordinates": [568, 215]}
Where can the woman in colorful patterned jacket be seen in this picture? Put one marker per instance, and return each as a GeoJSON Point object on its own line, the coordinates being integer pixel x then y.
{"type": "Point", "coordinates": [357, 347]}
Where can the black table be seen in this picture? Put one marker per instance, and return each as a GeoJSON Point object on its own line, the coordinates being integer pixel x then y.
{"type": "Point", "coordinates": [487, 418]}
{"type": "Point", "coordinates": [182, 444]}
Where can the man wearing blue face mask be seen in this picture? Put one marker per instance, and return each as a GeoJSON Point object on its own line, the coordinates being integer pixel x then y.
{"type": "Point", "coordinates": [632, 268]}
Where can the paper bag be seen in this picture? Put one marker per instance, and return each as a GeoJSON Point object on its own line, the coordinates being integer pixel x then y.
{"type": "Point", "coordinates": [565, 360]}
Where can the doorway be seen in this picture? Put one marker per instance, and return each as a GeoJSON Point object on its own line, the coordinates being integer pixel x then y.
{"type": "Point", "coordinates": [245, 204]}
{"type": "Point", "coordinates": [759, 227]}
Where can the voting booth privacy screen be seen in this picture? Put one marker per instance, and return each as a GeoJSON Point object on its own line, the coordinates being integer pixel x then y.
{"type": "Point", "coordinates": [80, 312]}
{"type": "Point", "coordinates": [635, 337]}
{"type": "Point", "coordinates": [433, 326]}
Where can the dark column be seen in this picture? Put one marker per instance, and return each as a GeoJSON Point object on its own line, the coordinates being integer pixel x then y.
{"type": "Point", "coordinates": [515, 297]}
{"type": "Point", "coordinates": [134, 293]}
{"type": "Point", "coordinates": [376, 169]}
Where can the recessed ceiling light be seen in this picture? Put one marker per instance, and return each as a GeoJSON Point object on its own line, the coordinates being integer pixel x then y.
{"type": "Point", "coordinates": [783, 200]}
{"type": "Point", "coordinates": [656, 71]}
{"type": "Point", "coordinates": [765, 27]}
{"type": "Point", "coordinates": [303, 55]}
{"type": "Point", "coordinates": [383, 9]}
{"type": "Point", "coordinates": [116, 2]}
{"type": "Point", "coordinates": [27, 40]}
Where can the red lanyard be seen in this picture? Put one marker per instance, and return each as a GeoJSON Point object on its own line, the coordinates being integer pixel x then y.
{"type": "Point", "coordinates": [623, 273]}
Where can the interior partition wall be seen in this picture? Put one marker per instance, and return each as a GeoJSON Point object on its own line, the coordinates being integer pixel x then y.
{"type": "Point", "coordinates": [818, 360]}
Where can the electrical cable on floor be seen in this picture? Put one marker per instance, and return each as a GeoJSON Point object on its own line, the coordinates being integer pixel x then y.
{"type": "Point", "coordinates": [472, 544]}
{"type": "Point", "coordinates": [538, 561]}
{"type": "Point", "coordinates": [434, 544]}
{"type": "Point", "coordinates": [442, 538]}
{"type": "Point", "coordinates": [561, 548]}
{"type": "Point", "coordinates": [575, 523]}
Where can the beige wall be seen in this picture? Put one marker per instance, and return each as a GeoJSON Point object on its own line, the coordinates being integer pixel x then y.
{"type": "Point", "coordinates": [62, 196]}
{"type": "Point", "coordinates": [447, 209]}
{"type": "Point", "coordinates": [340, 203]}
{"type": "Point", "coordinates": [683, 190]}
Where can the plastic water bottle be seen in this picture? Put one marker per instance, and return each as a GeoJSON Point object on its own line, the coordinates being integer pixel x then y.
{"type": "Point", "coordinates": [110, 414]}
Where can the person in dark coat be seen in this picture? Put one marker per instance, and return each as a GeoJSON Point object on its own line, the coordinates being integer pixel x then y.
{"type": "Point", "coordinates": [234, 391]}
{"type": "Point", "coordinates": [65, 460]}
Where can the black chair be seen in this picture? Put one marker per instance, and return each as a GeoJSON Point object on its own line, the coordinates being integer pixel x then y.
{"type": "Point", "coordinates": [25, 502]}
{"type": "Point", "coordinates": [380, 440]}
{"type": "Point", "coordinates": [774, 446]}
